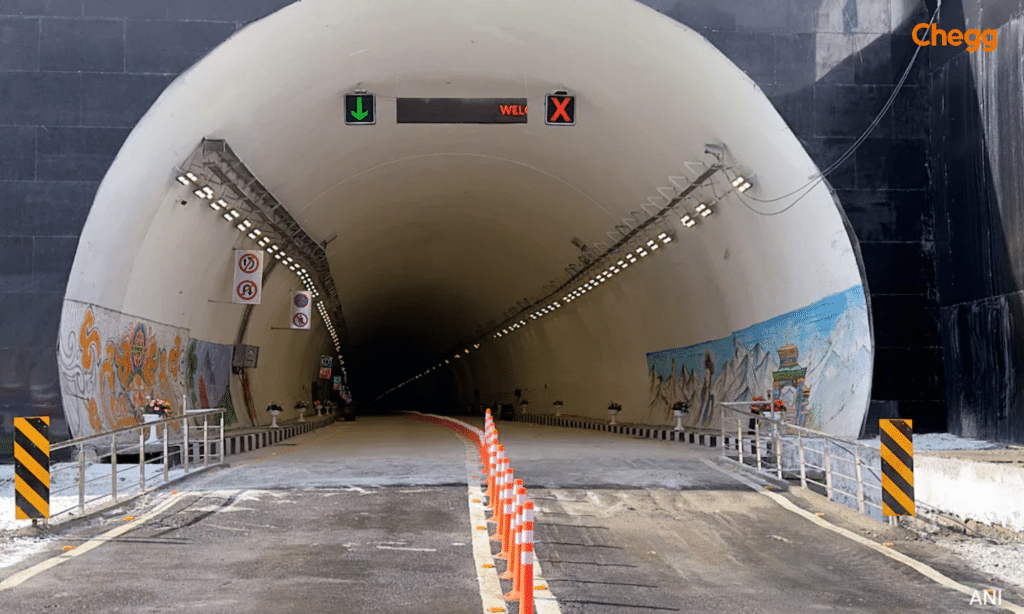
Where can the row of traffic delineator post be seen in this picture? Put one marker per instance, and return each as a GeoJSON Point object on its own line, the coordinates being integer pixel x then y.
{"type": "Point", "coordinates": [512, 517]}
{"type": "Point", "coordinates": [511, 512]}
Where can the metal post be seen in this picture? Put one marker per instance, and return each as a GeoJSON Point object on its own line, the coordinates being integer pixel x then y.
{"type": "Point", "coordinates": [184, 445]}
{"type": "Point", "coordinates": [778, 450]}
{"type": "Point", "coordinates": [860, 480]}
{"type": "Point", "coordinates": [803, 467]}
{"type": "Point", "coordinates": [828, 471]}
{"type": "Point", "coordinates": [206, 440]}
{"type": "Point", "coordinates": [722, 441]}
{"type": "Point", "coordinates": [739, 437]}
{"type": "Point", "coordinates": [113, 467]}
{"type": "Point", "coordinates": [757, 440]}
{"type": "Point", "coordinates": [81, 478]}
{"type": "Point", "coordinates": [167, 461]}
{"type": "Point", "coordinates": [222, 437]}
{"type": "Point", "coordinates": [142, 459]}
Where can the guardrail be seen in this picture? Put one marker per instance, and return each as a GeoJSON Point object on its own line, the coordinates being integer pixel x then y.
{"type": "Point", "coordinates": [154, 453]}
{"type": "Point", "coordinates": [843, 470]}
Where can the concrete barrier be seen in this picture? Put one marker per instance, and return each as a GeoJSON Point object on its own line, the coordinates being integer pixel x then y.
{"type": "Point", "coordinates": [991, 493]}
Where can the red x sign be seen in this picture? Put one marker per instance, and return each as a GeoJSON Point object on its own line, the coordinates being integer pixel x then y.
{"type": "Point", "coordinates": [561, 110]}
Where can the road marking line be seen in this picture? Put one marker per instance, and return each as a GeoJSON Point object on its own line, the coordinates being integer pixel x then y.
{"type": "Point", "coordinates": [914, 564]}
{"type": "Point", "coordinates": [408, 549]}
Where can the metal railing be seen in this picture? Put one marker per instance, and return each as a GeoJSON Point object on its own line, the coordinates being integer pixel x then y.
{"type": "Point", "coordinates": [154, 455]}
{"type": "Point", "coordinates": [843, 470]}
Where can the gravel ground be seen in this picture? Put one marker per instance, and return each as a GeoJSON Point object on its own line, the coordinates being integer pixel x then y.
{"type": "Point", "coordinates": [942, 441]}
{"type": "Point", "coordinates": [1002, 561]}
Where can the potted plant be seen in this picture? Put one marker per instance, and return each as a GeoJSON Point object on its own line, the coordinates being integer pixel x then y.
{"type": "Point", "coordinates": [613, 410]}
{"type": "Point", "coordinates": [523, 404]}
{"type": "Point", "coordinates": [300, 408]}
{"type": "Point", "coordinates": [155, 411]}
{"type": "Point", "coordinates": [275, 410]}
{"type": "Point", "coordinates": [558, 408]}
{"type": "Point", "coordinates": [679, 408]}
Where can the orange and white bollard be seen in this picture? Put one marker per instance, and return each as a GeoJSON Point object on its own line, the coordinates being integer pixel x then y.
{"type": "Point", "coordinates": [526, 562]}
{"type": "Point", "coordinates": [513, 536]}
{"type": "Point", "coordinates": [504, 489]}
{"type": "Point", "coordinates": [510, 512]}
{"type": "Point", "coordinates": [494, 479]}
{"type": "Point", "coordinates": [506, 507]}
{"type": "Point", "coordinates": [515, 562]}
{"type": "Point", "coordinates": [492, 467]}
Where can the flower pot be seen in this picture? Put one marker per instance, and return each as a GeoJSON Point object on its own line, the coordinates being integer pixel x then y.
{"type": "Point", "coordinates": [274, 414]}
{"type": "Point", "coordinates": [679, 419]}
{"type": "Point", "coordinates": [149, 419]}
{"type": "Point", "coordinates": [302, 414]}
{"type": "Point", "coordinates": [613, 413]}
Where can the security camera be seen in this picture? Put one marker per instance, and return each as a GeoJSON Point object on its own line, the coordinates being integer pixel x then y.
{"type": "Point", "coordinates": [184, 202]}
{"type": "Point", "coordinates": [715, 150]}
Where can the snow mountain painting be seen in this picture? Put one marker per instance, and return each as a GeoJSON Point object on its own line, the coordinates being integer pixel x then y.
{"type": "Point", "coordinates": [817, 359]}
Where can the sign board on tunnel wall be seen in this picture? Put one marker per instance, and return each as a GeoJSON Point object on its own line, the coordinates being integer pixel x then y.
{"type": "Point", "coordinates": [302, 310]}
{"type": "Point", "coordinates": [325, 373]}
{"type": "Point", "coordinates": [248, 285]}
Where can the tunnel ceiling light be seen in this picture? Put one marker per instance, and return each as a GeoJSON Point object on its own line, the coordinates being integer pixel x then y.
{"type": "Point", "coordinates": [228, 217]}
{"type": "Point", "coordinates": [703, 209]}
{"type": "Point", "coordinates": [241, 227]}
{"type": "Point", "coordinates": [277, 256]}
{"type": "Point", "coordinates": [235, 214]}
{"type": "Point", "coordinates": [200, 193]}
{"type": "Point", "coordinates": [183, 180]}
{"type": "Point", "coordinates": [741, 184]}
{"type": "Point", "coordinates": [216, 206]}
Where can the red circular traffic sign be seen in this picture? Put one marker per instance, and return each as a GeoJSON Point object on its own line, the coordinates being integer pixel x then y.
{"type": "Point", "coordinates": [248, 263]}
{"type": "Point", "coordinates": [246, 290]}
{"type": "Point", "coordinates": [300, 320]}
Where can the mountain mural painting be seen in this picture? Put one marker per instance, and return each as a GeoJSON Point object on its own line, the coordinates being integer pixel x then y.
{"type": "Point", "coordinates": [816, 359]}
{"type": "Point", "coordinates": [209, 377]}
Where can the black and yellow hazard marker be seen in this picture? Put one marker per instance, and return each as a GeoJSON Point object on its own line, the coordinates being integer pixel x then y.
{"type": "Point", "coordinates": [897, 467]}
{"type": "Point", "coordinates": [31, 468]}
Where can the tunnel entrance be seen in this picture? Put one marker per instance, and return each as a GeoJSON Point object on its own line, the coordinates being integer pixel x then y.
{"type": "Point", "coordinates": [445, 245]}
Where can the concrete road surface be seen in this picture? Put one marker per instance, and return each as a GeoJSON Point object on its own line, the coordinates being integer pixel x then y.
{"type": "Point", "coordinates": [372, 516]}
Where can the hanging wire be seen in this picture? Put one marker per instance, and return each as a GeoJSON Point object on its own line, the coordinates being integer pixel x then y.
{"type": "Point", "coordinates": [809, 187]}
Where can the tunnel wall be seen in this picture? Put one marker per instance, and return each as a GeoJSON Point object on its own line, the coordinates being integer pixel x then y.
{"type": "Point", "coordinates": [977, 123]}
{"type": "Point", "coordinates": [76, 76]}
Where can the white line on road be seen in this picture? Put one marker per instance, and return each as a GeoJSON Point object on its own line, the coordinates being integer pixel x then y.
{"type": "Point", "coordinates": [916, 565]}
{"type": "Point", "coordinates": [407, 549]}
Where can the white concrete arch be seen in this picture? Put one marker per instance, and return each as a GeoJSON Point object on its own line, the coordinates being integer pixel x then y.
{"type": "Point", "coordinates": [443, 227]}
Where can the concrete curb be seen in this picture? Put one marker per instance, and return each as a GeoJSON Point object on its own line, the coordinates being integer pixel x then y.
{"type": "Point", "coordinates": [660, 433]}
{"type": "Point", "coordinates": [247, 442]}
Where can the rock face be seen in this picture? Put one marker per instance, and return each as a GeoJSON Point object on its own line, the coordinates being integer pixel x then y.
{"type": "Point", "coordinates": [834, 348]}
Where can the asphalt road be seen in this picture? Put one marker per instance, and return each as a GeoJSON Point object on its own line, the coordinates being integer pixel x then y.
{"type": "Point", "coordinates": [372, 516]}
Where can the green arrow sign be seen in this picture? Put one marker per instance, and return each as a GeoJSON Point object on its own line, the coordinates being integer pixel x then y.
{"type": "Point", "coordinates": [359, 109]}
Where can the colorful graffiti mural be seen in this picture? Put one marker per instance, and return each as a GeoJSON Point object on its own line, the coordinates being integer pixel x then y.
{"type": "Point", "coordinates": [209, 377]}
{"type": "Point", "coordinates": [816, 359]}
{"type": "Point", "coordinates": [110, 363]}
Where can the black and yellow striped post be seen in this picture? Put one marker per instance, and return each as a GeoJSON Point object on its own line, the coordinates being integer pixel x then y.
{"type": "Point", "coordinates": [32, 468]}
{"type": "Point", "coordinates": [897, 467]}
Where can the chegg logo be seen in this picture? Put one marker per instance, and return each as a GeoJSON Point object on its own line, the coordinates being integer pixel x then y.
{"type": "Point", "coordinates": [975, 39]}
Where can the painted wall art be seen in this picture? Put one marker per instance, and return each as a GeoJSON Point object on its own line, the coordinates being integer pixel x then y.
{"type": "Point", "coordinates": [209, 377]}
{"type": "Point", "coordinates": [111, 362]}
{"type": "Point", "coordinates": [817, 360]}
